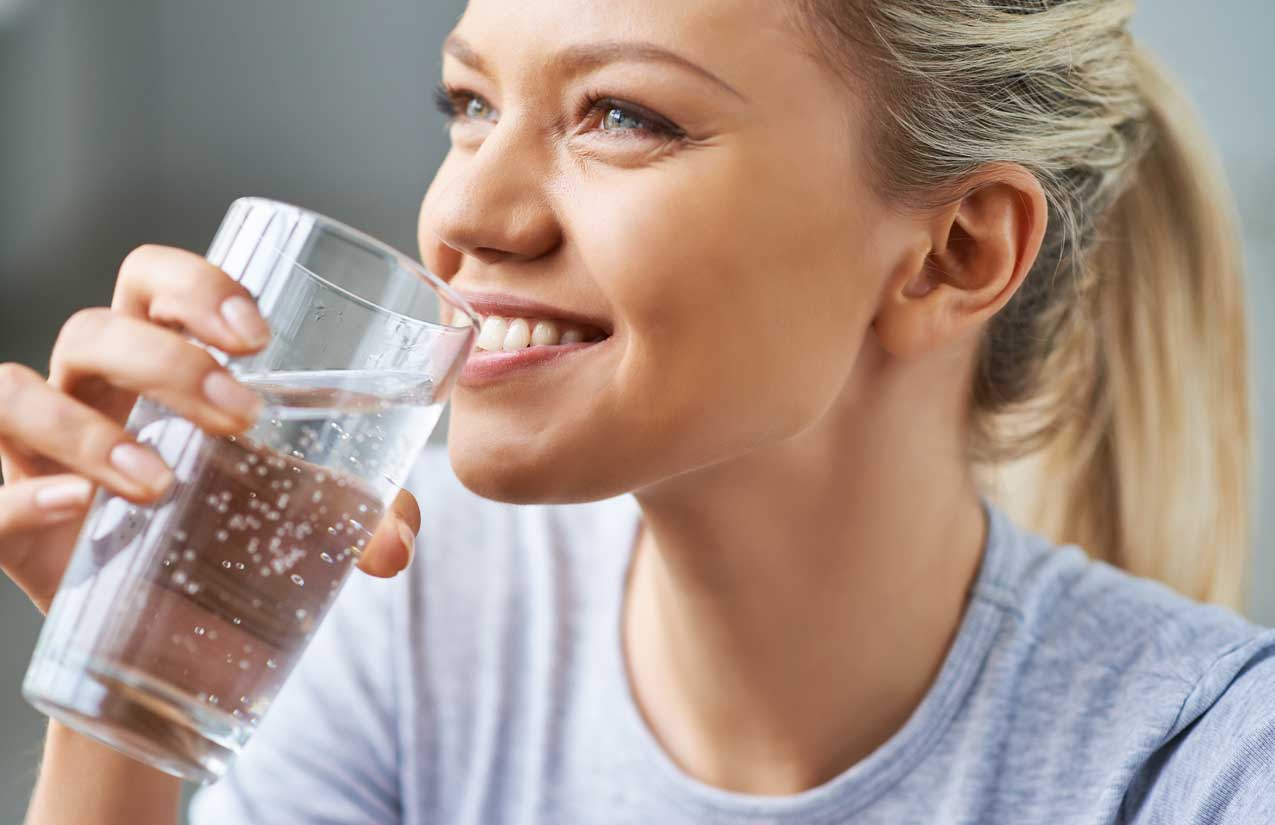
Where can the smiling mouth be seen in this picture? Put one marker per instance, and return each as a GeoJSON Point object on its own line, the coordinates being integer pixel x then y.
{"type": "Point", "coordinates": [512, 334]}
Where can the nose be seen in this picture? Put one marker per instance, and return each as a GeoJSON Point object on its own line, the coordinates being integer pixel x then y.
{"type": "Point", "coordinates": [490, 204]}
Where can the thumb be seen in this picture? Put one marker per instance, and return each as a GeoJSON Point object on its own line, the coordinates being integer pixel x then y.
{"type": "Point", "coordinates": [390, 549]}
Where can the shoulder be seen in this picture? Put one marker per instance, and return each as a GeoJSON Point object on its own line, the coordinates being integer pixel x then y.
{"type": "Point", "coordinates": [1125, 686]}
{"type": "Point", "coordinates": [1218, 764]}
{"type": "Point", "coordinates": [1071, 608]}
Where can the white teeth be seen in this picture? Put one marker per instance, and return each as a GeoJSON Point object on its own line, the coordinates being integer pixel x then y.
{"type": "Point", "coordinates": [518, 336]}
{"type": "Point", "coordinates": [512, 334]}
{"type": "Point", "coordinates": [545, 333]}
{"type": "Point", "coordinates": [492, 336]}
{"type": "Point", "coordinates": [460, 319]}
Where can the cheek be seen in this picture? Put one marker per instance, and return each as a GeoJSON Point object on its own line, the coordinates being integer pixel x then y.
{"type": "Point", "coordinates": [731, 278]}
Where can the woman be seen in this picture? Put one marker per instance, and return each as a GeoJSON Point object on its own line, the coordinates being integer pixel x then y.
{"type": "Point", "coordinates": [872, 276]}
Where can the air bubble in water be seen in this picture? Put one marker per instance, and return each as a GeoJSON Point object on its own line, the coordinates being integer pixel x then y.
{"type": "Point", "coordinates": [270, 663]}
{"type": "Point", "coordinates": [243, 664]}
{"type": "Point", "coordinates": [237, 620]}
{"type": "Point", "coordinates": [221, 535]}
{"type": "Point", "coordinates": [226, 564]}
{"type": "Point", "coordinates": [326, 557]}
{"type": "Point", "coordinates": [212, 700]}
{"type": "Point", "coordinates": [239, 565]}
{"type": "Point", "coordinates": [179, 577]}
{"type": "Point", "coordinates": [301, 614]}
{"type": "Point", "coordinates": [192, 588]}
{"type": "Point", "coordinates": [199, 631]}
{"type": "Point", "coordinates": [297, 580]}
{"type": "Point", "coordinates": [189, 555]}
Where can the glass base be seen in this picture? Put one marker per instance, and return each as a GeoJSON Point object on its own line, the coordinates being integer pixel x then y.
{"type": "Point", "coordinates": [146, 722]}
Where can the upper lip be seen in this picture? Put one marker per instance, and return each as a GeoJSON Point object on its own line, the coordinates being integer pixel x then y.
{"type": "Point", "coordinates": [507, 305]}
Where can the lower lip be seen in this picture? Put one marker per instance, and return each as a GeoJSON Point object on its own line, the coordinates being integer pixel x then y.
{"type": "Point", "coordinates": [484, 367]}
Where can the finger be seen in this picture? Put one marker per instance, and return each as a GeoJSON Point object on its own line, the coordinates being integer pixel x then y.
{"type": "Point", "coordinates": [41, 502]}
{"type": "Point", "coordinates": [52, 424]}
{"type": "Point", "coordinates": [392, 545]}
{"type": "Point", "coordinates": [179, 288]}
{"type": "Point", "coordinates": [140, 357]}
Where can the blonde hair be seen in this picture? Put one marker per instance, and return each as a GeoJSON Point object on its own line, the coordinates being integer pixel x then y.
{"type": "Point", "coordinates": [1110, 403]}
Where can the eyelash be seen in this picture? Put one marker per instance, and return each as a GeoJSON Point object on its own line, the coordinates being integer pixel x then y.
{"type": "Point", "coordinates": [447, 99]}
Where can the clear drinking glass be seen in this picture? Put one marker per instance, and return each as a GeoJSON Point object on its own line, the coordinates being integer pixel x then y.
{"type": "Point", "coordinates": [175, 624]}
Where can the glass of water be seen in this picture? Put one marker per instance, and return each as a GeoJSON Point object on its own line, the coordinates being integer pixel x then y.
{"type": "Point", "coordinates": [176, 623]}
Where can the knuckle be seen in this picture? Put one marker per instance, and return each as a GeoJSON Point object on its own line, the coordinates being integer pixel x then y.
{"type": "Point", "coordinates": [14, 378]}
{"type": "Point", "coordinates": [82, 327]}
{"type": "Point", "coordinates": [135, 261]}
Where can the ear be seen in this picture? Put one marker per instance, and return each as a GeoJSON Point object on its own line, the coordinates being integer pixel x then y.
{"type": "Point", "coordinates": [968, 260]}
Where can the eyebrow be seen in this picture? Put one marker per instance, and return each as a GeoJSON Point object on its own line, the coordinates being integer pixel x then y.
{"type": "Point", "coordinates": [587, 56]}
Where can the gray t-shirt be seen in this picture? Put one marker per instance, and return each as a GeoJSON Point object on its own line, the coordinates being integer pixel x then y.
{"type": "Point", "coordinates": [486, 684]}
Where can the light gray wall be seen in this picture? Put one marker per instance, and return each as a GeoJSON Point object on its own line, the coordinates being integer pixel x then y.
{"type": "Point", "coordinates": [132, 121]}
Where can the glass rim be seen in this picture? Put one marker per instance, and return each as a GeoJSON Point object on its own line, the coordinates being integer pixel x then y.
{"type": "Point", "coordinates": [403, 260]}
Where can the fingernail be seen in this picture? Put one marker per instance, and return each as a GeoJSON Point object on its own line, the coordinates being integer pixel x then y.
{"type": "Point", "coordinates": [62, 494]}
{"type": "Point", "coordinates": [229, 395]}
{"type": "Point", "coordinates": [141, 466]}
{"type": "Point", "coordinates": [242, 316]}
{"type": "Point", "coordinates": [408, 538]}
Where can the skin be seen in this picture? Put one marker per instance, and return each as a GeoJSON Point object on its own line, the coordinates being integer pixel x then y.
{"type": "Point", "coordinates": [785, 391]}
{"type": "Point", "coordinates": [786, 388]}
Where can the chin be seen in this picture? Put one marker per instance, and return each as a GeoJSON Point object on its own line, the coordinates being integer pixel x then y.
{"type": "Point", "coordinates": [516, 474]}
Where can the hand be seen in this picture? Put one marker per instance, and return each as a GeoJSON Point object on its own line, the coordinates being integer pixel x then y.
{"type": "Point", "coordinates": [62, 438]}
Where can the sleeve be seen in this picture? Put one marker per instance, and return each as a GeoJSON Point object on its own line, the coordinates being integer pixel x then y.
{"type": "Point", "coordinates": [325, 752]}
{"type": "Point", "coordinates": [1220, 768]}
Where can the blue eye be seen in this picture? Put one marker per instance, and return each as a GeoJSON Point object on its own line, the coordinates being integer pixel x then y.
{"type": "Point", "coordinates": [455, 104]}
{"type": "Point", "coordinates": [622, 119]}
{"type": "Point", "coordinates": [625, 117]}
{"type": "Point", "coordinates": [476, 108]}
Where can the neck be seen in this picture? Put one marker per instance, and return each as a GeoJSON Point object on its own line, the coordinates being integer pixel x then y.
{"type": "Point", "coordinates": [774, 597]}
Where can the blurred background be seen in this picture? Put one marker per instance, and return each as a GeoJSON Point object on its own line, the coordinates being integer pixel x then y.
{"type": "Point", "coordinates": [125, 122]}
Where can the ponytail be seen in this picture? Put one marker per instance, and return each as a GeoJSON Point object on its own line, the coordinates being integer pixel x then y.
{"type": "Point", "coordinates": [1109, 406]}
{"type": "Point", "coordinates": [1153, 475]}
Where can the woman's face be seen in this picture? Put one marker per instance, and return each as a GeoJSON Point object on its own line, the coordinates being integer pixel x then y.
{"type": "Point", "coordinates": [725, 231]}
